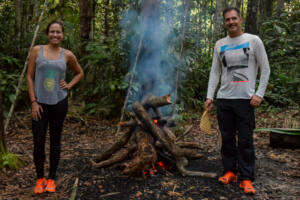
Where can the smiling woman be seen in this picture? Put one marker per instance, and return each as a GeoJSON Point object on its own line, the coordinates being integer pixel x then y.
{"type": "Point", "coordinates": [48, 91]}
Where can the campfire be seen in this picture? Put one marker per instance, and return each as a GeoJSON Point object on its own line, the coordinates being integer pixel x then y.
{"type": "Point", "coordinates": [150, 143]}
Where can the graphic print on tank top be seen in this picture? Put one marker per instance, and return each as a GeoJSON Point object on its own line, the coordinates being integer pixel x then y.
{"type": "Point", "coordinates": [235, 58]}
{"type": "Point", "coordinates": [49, 81]}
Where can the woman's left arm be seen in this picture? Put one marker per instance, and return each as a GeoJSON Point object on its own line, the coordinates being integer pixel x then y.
{"type": "Point", "coordinates": [76, 68]}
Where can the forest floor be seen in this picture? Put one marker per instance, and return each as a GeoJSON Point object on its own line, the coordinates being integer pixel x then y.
{"type": "Point", "coordinates": [277, 170]}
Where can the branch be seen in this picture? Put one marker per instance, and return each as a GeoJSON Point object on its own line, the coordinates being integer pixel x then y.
{"type": "Point", "coordinates": [74, 191]}
{"type": "Point", "coordinates": [116, 146]}
{"type": "Point", "coordinates": [131, 79]}
{"type": "Point", "coordinates": [24, 68]}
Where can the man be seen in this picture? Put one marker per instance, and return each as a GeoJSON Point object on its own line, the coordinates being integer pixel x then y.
{"type": "Point", "coordinates": [236, 59]}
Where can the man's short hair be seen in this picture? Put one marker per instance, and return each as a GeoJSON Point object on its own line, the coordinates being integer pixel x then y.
{"type": "Point", "coordinates": [230, 9]}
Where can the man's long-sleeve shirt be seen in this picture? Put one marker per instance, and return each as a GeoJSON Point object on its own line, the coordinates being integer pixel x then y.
{"type": "Point", "coordinates": [237, 61]}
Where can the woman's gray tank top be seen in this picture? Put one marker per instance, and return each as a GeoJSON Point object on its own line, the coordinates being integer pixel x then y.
{"type": "Point", "coordinates": [48, 74]}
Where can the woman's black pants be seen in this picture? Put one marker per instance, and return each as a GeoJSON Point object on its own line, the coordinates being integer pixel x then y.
{"type": "Point", "coordinates": [52, 116]}
{"type": "Point", "coordinates": [236, 118]}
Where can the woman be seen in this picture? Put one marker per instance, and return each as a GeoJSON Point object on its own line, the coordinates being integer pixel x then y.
{"type": "Point", "coordinates": [48, 92]}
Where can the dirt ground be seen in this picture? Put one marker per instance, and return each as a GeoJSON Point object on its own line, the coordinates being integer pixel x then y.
{"type": "Point", "coordinates": [277, 170]}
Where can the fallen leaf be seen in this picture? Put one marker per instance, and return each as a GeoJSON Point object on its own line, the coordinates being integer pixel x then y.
{"type": "Point", "coordinates": [173, 194]}
{"type": "Point", "coordinates": [138, 194]}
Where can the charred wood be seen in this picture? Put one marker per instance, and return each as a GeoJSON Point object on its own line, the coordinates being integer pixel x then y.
{"type": "Point", "coordinates": [145, 158]}
{"type": "Point", "coordinates": [116, 146]}
{"type": "Point", "coordinates": [119, 157]}
{"type": "Point", "coordinates": [173, 149]}
{"type": "Point", "coordinates": [154, 101]}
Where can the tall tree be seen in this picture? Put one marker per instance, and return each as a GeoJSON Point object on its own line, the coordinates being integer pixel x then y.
{"type": "Point", "coordinates": [280, 7]}
{"type": "Point", "coordinates": [251, 19]}
{"type": "Point", "coordinates": [61, 9]}
{"type": "Point", "coordinates": [106, 18]}
{"type": "Point", "coordinates": [86, 14]}
{"type": "Point", "coordinates": [218, 20]}
{"type": "Point", "coordinates": [210, 35]}
{"type": "Point", "coordinates": [268, 8]}
{"type": "Point", "coordinates": [18, 19]}
{"type": "Point", "coordinates": [36, 10]}
{"type": "Point", "coordinates": [2, 136]}
{"type": "Point", "coordinates": [238, 4]}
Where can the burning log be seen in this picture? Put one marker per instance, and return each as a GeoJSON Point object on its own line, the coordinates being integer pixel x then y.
{"type": "Point", "coordinates": [116, 146]}
{"type": "Point", "coordinates": [145, 158]}
{"type": "Point", "coordinates": [153, 140]}
{"type": "Point", "coordinates": [154, 102]}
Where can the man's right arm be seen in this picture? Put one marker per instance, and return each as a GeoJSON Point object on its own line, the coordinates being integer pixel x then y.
{"type": "Point", "coordinates": [214, 78]}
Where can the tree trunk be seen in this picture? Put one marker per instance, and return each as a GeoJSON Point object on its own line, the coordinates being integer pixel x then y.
{"type": "Point", "coordinates": [199, 29]}
{"type": "Point", "coordinates": [30, 16]}
{"type": "Point", "coordinates": [238, 4]}
{"type": "Point", "coordinates": [25, 23]}
{"type": "Point", "coordinates": [242, 9]}
{"type": "Point", "coordinates": [251, 20]}
{"type": "Point", "coordinates": [61, 9]}
{"type": "Point", "coordinates": [18, 21]}
{"type": "Point", "coordinates": [268, 8]}
{"type": "Point", "coordinates": [280, 7]}
{"type": "Point", "coordinates": [36, 10]}
{"type": "Point", "coordinates": [188, 15]}
{"type": "Point", "coordinates": [210, 31]}
{"type": "Point", "coordinates": [218, 20]}
{"type": "Point", "coordinates": [86, 17]}
{"type": "Point", "coordinates": [2, 135]}
{"type": "Point", "coordinates": [106, 18]}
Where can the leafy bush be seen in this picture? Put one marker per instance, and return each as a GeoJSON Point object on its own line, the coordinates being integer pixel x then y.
{"type": "Point", "coordinates": [282, 39]}
{"type": "Point", "coordinates": [8, 79]}
{"type": "Point", "coordinates": [193, 91]}
{"type": "Point", "coordinates": [103, 87]}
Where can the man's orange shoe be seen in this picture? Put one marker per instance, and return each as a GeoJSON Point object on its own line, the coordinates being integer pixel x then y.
{"type": "Point", "coordinates": [247, 186]}
{"type": "Point", "coordinates": [228, 177]}
{"type": "Point", "coordinates": [40, 186]}
{"type": "Point", "coordinates": [50, 187]}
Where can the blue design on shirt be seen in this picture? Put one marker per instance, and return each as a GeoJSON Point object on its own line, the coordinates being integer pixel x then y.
{"type": "Point", "coordinates": [231, 47]}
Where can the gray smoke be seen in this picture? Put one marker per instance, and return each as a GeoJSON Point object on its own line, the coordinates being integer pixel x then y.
{"type": "Point", "coordinates": [155, 70]}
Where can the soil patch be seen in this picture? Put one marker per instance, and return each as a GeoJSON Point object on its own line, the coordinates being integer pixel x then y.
{"type": "Point", "coordinates": [277, 170]}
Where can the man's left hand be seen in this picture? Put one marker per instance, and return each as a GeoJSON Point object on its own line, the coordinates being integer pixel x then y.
{"type": "Point", "coordinates": [255, 101]}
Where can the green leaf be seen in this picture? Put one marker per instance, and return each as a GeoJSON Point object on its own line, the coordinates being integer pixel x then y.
{"type": "Point", "coordinates": [112, 87]}
{"type": "Point", "coordinates": [11, 97]}
{"type": "Point", "coordinates": [278, 29]}
{"type": "Point", "coordinates": [288, 131]}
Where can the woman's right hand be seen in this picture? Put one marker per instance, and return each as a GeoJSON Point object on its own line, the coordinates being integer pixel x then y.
{"type": "Point", "coordinates": [36, 111]}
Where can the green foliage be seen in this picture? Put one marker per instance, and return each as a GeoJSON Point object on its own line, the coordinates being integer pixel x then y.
{"type": "Point", "coordinates": [194, 87]}
{"type": "Point", "coordinates": [8, 79]}
{"type": "Point", "coordinates": [106, 64]}
{"type": "Point", "coordinates": [104, 87]}
{"type": "Point", "coordinates": [287, 131]}
{"type": "Point", "coordinates": [9, 160]}
{"type": "Point", "coordinates": [282, 39]}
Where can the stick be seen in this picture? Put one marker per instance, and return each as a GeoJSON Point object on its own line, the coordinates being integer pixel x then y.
{"type": "Point", "coordinates": [74, 191]}
{"type": "Point", "coordinates": [131, 80]}
{"type": "Point", "coordinates": [181, 52]}
{"type": "Point", "coordinates": [109, 194]}
{"type": "Point", "coordinates": [25, 67]}
{"type": "Point", "coordinates": [2, 135]}
{"type": "Point", "coordinates": [185, 133]}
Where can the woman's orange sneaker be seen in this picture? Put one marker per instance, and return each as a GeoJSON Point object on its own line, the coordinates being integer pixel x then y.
{"type": "Point", "coordinates": [247, 186]}
{"type": "Point", "coordinates": [40, 186]}
{"type": "Point", "coordinates": [228, 177]}
{"type": "Point", "coordinates": [50, 187]}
